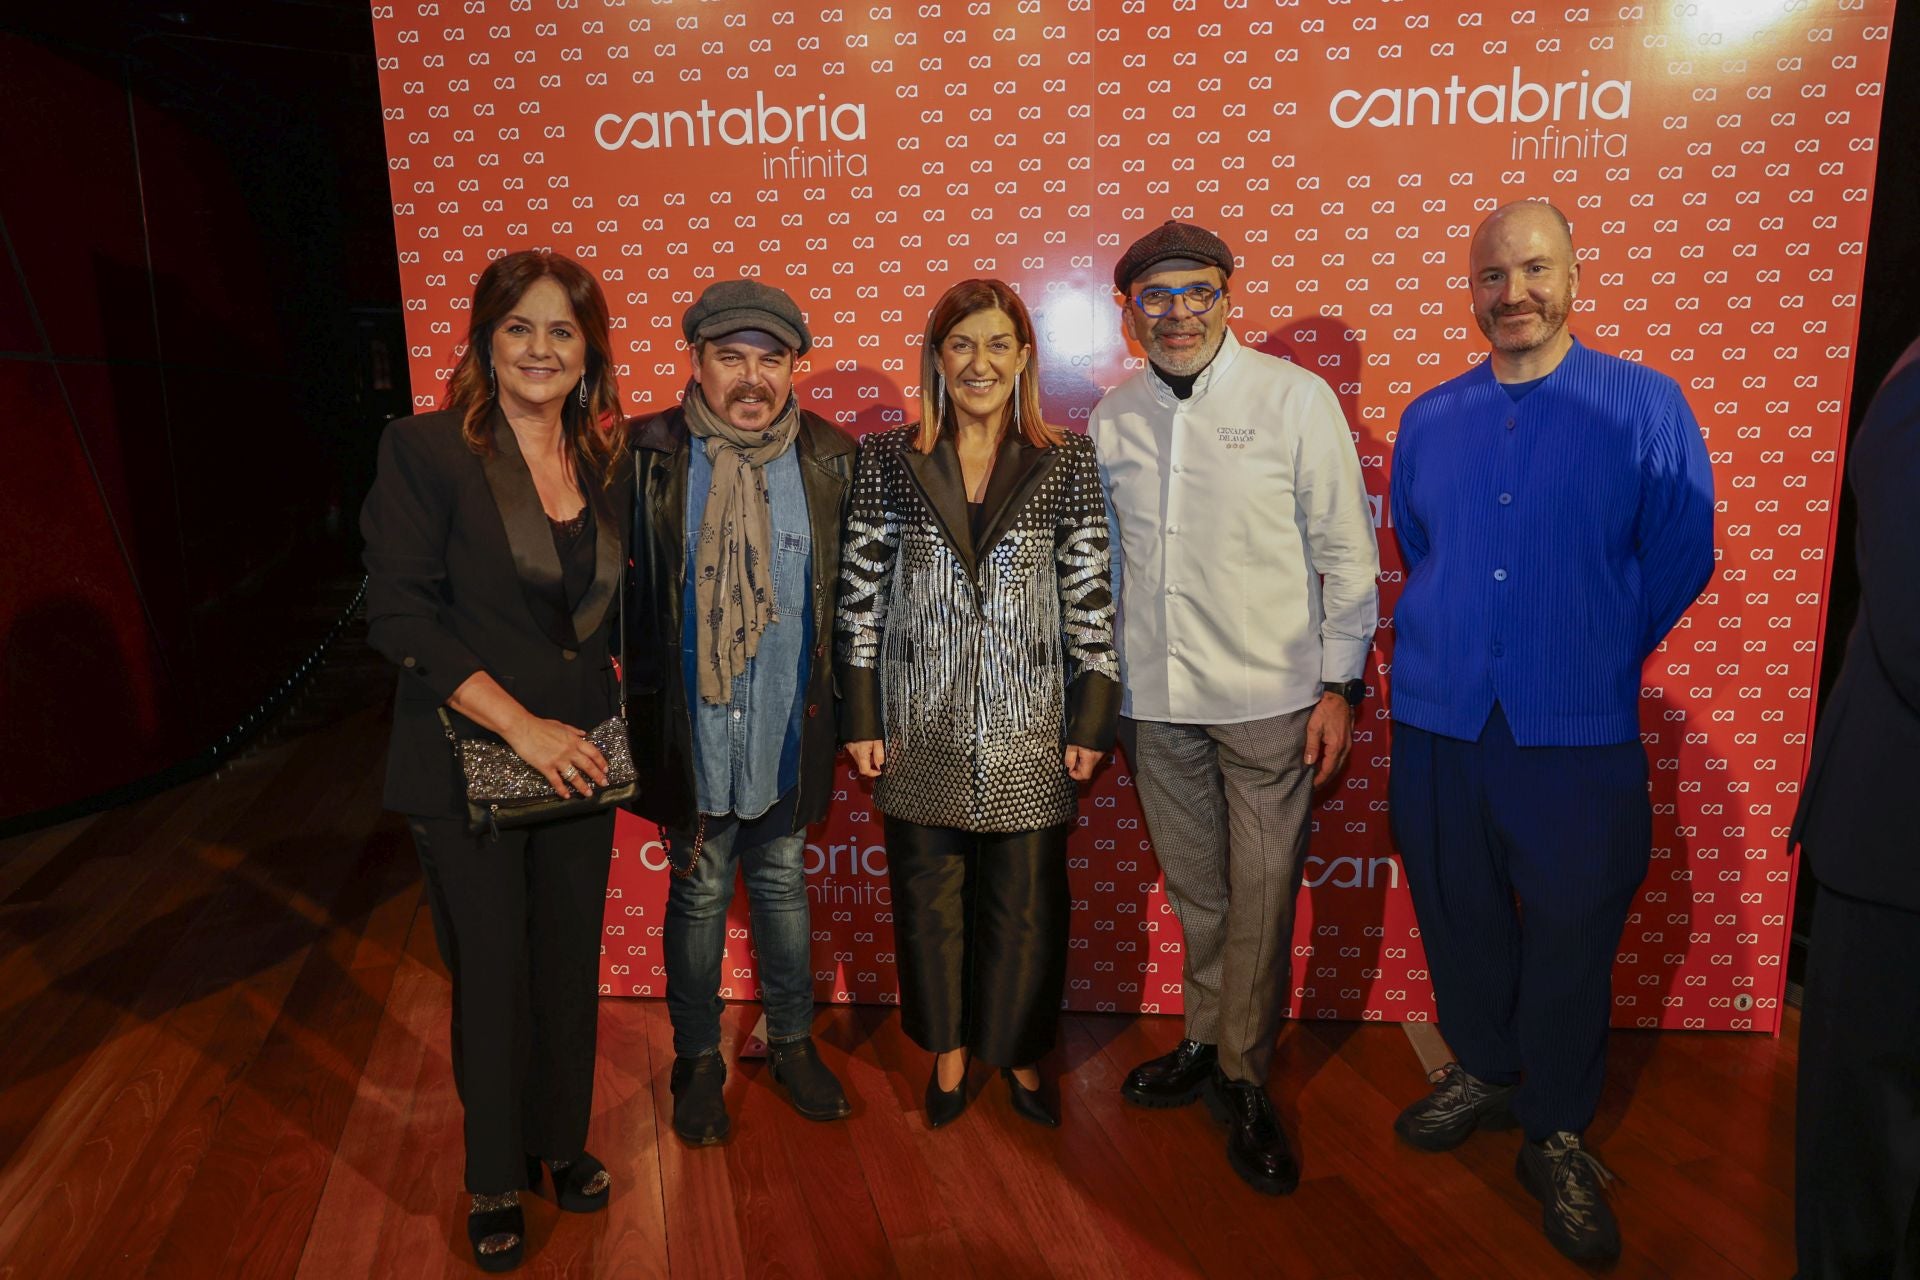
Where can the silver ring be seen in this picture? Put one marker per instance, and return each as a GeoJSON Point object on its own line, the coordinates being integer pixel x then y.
{"type": "Point", "coordinates": [570, 773]}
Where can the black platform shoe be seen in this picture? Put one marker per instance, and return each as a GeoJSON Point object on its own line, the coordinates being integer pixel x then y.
{"type": "Point", "coordinates": [580, 1185]}
{"type": "Point", "coordinates": [1256, 1145]}
{"type": "Point", "coordinates": [497, 1230]}
{"type": "Point", "coordinates": [1569, 1182]}
{"type": "Point", "coordinates": [1027, 1103]}
{"type": "Point", "coordinates": [1172, 1079]}
{"type": "Point", "coordinates": [1458, 1104]}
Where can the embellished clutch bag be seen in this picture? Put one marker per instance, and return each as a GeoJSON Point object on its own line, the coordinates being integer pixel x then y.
{"type": "Point", "coordinates": [504, 791]}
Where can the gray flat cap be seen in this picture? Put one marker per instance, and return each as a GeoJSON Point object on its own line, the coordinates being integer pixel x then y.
{"type": "Point", "coordinates": [733, 305]}
{"type": "Point", "coordinates": [1172, 240]}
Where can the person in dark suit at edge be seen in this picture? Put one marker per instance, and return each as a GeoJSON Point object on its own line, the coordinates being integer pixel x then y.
{"type": "Point", "coordinates": [1857, 1133]}
{"type": "Point", "coordinates": [495, 549]}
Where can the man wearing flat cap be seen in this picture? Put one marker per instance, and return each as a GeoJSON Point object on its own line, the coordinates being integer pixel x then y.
{"type": "Point", "coordinates": [736, 539]}
{"type": "Point", "coordinates": [1245, 567]}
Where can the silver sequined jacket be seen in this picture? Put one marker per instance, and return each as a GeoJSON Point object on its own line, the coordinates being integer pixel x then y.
{"type": "Point", "coordinates": [977, 665]}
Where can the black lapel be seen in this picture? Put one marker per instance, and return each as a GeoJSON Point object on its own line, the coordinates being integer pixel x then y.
{"type": "Point", "coordinates": [938, 476]}
{"type": "Point", "coordinates": [1017, 469]}
{"type": "Point", "coordinates": [660, 493]}
{"type": "Point", "coordinates": [825, 477]}
{"type": "Point", "coordinates": [528, 534]}
{"type": "Point", "coordinates": [608, 563]}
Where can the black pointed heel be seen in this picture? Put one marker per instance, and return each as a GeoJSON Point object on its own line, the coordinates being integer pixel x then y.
{"type": "Point", "coordinates": [944, 1105]}
{"type": "Point", "coordinates": [1028, 1104]}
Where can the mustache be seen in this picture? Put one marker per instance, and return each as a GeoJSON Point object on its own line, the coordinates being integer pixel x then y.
{"type": "Point", "coordinates": [1181, 328]}
{"type": "Point", "coordinates": [749, 391]}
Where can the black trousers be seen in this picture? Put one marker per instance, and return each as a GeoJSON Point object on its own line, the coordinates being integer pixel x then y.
{"type": "Point", "coordinates": [1857, 1134]}
{"type": "Point", "coordinates": [518, 919]}
{"type": "Point", "coordinates": [980, 938]}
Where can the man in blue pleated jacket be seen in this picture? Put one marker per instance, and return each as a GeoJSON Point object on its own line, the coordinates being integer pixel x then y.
{"type": "Point", "coordinates": [1555, 513]}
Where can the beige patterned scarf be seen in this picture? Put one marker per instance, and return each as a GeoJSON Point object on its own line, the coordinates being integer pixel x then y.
{"type": "Point", "coordinates": [733, 562]}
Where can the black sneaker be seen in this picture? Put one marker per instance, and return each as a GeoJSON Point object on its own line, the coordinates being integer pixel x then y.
{"type": "Point", "coordinates": [1458, 1105]}
{"type": "Point", "coordinates": [1172, 1079]}
{"type": "Point", "coordinates": [812, 1087]}
{"type": "Point", "coordinates": [1566, 1179]}
{"type": "Point", "coordinates": [1256, 1147]}
{"type": "Point", "coordinates": [699, 1110]}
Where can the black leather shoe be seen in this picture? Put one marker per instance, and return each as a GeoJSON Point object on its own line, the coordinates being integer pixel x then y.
{"type": "Point", "coordinates": [1567, 1179]}
{"type": "Point", "coordinates": [1172, 1079]}
{"type": "Point", "coordinates": [1458, 1105]}
{"type": "Point", "coordinates": [1028, 1104]}
{"type": "Point", "coordinates": [944, 1105]}
{"type": "Point", "coordinates": [699, 1110]}
{"type": "Point", "coordinates": [812, 1087]}
{"type": "Point", "coordinates": [1256, 1148]}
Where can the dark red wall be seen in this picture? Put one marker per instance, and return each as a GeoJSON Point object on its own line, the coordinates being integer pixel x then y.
{"type": "Point", "coordinates": [199, 268]}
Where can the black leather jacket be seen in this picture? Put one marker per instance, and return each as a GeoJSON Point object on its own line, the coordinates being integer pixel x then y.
{"type": "Point", "coordinates": [658, 718]}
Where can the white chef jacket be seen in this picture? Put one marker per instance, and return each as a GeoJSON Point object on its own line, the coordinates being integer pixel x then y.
{"type": "Point", "coordinates": [1243, 550]}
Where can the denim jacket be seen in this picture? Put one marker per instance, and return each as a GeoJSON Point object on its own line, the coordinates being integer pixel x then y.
{"type": "Point", "coordinates": [746, 753]}
{"type": "Point", "coordinates": [659, 714]}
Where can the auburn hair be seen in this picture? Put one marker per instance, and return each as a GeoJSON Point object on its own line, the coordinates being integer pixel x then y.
{"type": "Point", "coordinates": [595, 435]}
{"type": "Point", "coordinates": [959, 302]}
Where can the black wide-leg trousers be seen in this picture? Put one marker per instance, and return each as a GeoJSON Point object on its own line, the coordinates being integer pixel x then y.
{"type": "Point", "coordinates": [980, 938]}
{"type": "Point", "coordinates": [518, 919]}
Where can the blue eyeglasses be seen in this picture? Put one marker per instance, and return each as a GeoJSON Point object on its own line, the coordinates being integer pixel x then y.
{"type": "Point", "coordinates": [1158, 302]}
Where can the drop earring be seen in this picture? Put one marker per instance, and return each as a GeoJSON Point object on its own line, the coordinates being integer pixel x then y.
{"type": "Point", "coordinates": [583, 391]}
{"type": "Point", "coordinates": [940, 408]}
{"type": "Point", "coordinates": [1014, 425]}
{"type": "Point", "coordinates": [493, 386]}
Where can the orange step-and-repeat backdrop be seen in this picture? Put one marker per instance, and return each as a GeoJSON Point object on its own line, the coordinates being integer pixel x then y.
{"type": "Point", "coordinates": [1716, 159]}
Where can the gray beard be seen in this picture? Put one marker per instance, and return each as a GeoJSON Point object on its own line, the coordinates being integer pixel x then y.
{"type": "Point", "coordinates": [1187, 365]}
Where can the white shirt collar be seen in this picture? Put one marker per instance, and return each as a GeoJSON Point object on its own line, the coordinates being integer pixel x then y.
{"type": "Point", "coordinates": [1216, 369]}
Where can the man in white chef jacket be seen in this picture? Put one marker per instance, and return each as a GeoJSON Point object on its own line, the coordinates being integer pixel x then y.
{"type": "Point", "coordinates": [1245, 566]}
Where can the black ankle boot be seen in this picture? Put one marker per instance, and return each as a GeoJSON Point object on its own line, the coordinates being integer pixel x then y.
{"type": "Point", "coordinates": [811, 1086]}
{"type": "Point", "coordinates": [699, 1109]}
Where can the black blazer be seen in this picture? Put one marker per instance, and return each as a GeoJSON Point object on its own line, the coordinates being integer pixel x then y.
{"type": "Point", "coordinates": [659, 722]}
{"type": "Point", "coordinates": [1856, 820]}
{"type": "Point", "coordinates": [458, 554]}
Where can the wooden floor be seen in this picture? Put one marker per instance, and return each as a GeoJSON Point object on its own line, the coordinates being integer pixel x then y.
{"type": "Point", "coordinates": [223, 1052]}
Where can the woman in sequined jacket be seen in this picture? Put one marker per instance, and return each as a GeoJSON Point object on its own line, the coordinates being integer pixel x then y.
{"type": "Point", "coordinates": [979, 687]}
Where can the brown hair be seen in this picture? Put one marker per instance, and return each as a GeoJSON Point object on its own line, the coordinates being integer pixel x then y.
{"type": "Point", "coordinates": [959, 302]}
{"type": "Point", "coordinates": [595, 434]}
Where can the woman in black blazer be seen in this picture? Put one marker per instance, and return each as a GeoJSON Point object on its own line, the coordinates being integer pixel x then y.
{"type": "Point", "coordinates": [494, 556]}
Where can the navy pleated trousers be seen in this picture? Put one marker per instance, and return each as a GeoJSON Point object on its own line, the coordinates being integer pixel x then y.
{"type": "Point", "coordinates": [1523, 862]}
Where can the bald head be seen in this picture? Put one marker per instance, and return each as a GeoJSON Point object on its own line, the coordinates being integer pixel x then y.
{"type": "Point", "coordinates": [1527, 215]}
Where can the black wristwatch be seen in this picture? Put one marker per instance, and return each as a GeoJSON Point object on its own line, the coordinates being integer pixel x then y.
{"type": "Point", "coordinates": [1354, 691]}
